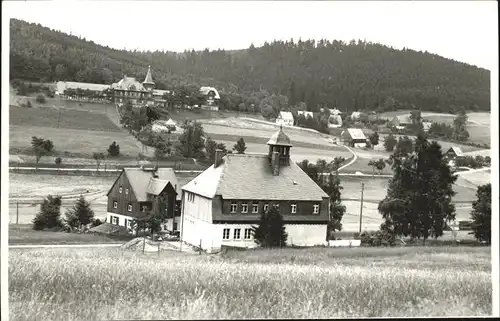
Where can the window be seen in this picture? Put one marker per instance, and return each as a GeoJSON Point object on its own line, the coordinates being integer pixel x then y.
{"type": "Point", "coordinates": [225, 234]}
{"type": "Point", "coordinates": [120, 190]}
{"type": "Point", "coordinates": [248, 233]}
{"type": "Point", "coordinates": [294, 208]}
{"type": "Point", "coordinates": [237, 232]}
{"type": "Point", "coordinates": [234, 207]}
{"type": "Point", "coordinates": [115, 204]}
{"type": "Point", "coordinates": [277, 206]}
{"type": "Point", "coordinates": [144, 208]}
{"type": "Point", "coordinates": [129, 223]}
{"type": "Point", "coordinates": [114, 220]}
{"type": "Point", "coordinates": [255, 208]}
{"type": "Point", "coordinates": [126, 191]}
{"type": "Point", "coordinates": [190, 197]}
{"type": "Point", "coordinates": [175, 226]}
{"type": "Point", "coordinates": [244, 208]}
{"type": "Point", "coordinates": [266, 207]}
{"type": "Point", "coordinates": [129, 208]}
{"type": "Point", "coordinates": [315, 209]}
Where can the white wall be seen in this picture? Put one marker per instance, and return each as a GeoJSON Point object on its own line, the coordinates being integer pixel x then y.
{"type": "Point", "coordinates": [219, 230]}
{"type": "Point", "coordinates": [200, 208]}
{"type": "Point", "coordinates": [344, 243]}
{"type": "Point", "coordinates": [280, 121]}
{"type": "Point", "coordinates": [306, 234]}
{"type": "Point", "coordinates": [121, 218]}
{"type": "Point", "coordinates": [197, 232]}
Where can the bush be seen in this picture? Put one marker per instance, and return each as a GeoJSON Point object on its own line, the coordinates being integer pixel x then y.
{"type": "Point", "coordinates": [58, 160]}
{"type": "Point", "coordinates": [114, 149]}
{"type": "Point", "coordinates": [97, 222]}
{"type": "Point", "coordinates": [40, 98]}
{"type": "Point", "coordinates": [377, 238]}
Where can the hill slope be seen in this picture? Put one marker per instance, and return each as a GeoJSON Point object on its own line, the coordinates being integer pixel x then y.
{"type": "Point", "coordinates": [351, 76]}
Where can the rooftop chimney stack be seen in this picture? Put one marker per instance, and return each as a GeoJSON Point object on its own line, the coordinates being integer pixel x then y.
{"type": "Point", "coordinates": [218, 157]}
{"type": "Point", "coordinates": [275, 163]}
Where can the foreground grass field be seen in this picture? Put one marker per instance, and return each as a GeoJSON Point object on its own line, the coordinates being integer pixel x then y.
{"type": "Point", "coordinates": [24, 234]}
{"type": "Point", "coordinates": [106, 284]}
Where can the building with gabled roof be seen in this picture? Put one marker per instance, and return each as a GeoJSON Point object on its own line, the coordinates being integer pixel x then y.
{"type": "Point", "coordinates": [353, 137]}
{"type": "Point", "coordinates": [130, 89]}
{"type": "Point", "coordinates": [137, 191]}
{"type": "Point", "coordinates": [212, 98]}
{"type": "Point", "coordinates": [285, 118]}
{"type": "Point", "coordinates": [220, 206]}
{"type": "Point", "coordinates": [454, 152]}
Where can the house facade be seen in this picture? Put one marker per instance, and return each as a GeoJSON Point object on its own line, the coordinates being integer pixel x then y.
{"type": "Point", "coordinates": [220, 206]}
{"type": "Point", "coordinates": [284, 118]}
{"type": "Point", "coordinates": [137, 191]}
{"type": "Point", "coordinates": [80, 91]}
{"type": "Point", "coordinates": [212, 98]}
{"type": "Point", "coordinates": [353, 137]}
{"type": "Point", "coordinates": [454, 153]}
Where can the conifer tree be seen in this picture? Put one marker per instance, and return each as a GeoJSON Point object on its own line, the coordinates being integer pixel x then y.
{"type": "Point", "coordinates": [481, 214]}
{"type": "Point", "coordinates": [49, 215]}
{"type": "Point", "coordinates": [80, 214]}
{"type": "Point", "coordinates": [240, 146]}
{"type": "Point", "coordinates": [271, 230]}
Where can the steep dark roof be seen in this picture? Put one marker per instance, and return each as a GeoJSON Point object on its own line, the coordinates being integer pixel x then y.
{"type": "Point", "coordinates": [280, 138]}
{"type": "Point", "coordinates": [249, 176]}
{"type": "Point", "coordinates": [143, 181]}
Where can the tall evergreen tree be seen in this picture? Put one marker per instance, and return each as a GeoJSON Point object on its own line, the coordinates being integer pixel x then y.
{"type": "Point", "coordinates": [49, 215]}
{"type": "Point", "coordinates": [240, 146]}
{"type": "Point", "coordinates": [481, 214]}
{"type": "Point", "coordinates": [192, 141]}
{"type": "Point", "coordinates": [80, 214]}
{"type": "Point", "coordinates": [271, 229]}
{"type": "Point", "coordinates": [418, 201]}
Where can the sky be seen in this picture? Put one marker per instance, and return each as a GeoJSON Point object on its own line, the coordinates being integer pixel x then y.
{"type": "Point", "coordinates": [463, 30]}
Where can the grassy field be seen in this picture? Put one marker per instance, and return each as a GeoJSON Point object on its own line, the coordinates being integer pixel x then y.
{"type": "Point", "coordinates": [105, 284]}
{"type": "Point", "coordinates": [24, 234]}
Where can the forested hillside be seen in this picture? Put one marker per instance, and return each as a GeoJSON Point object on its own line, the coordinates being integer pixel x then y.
{"type": "Point", "coordinates": [351, 76]}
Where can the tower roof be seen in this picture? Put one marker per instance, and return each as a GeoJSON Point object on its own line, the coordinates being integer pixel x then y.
{"type": "Point", "coordinates": [149, 77]}
{"type": "Point", "coordinates": [279, 138]}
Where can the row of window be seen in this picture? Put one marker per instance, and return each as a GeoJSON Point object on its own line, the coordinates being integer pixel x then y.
{"type": "Point", "coordinates": [255, 208]}
{"type": "Point", "coordinates": [129, 207]}
{"type": "Point", "coordinates": [121, 189]}
{"type": "Point", "coordinates": [226, 234]}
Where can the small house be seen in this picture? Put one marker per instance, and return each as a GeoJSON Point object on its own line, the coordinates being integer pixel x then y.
{"type": "Point", "coordinates": [285, 118]}
{"type": "Point", "coordinates": [212, 98]}
{"type": "Point", "coordinates": [353, 137]}
{"type": "Point", "coordinates": [454, 153]}
{"type": "Point", "coordinates": [426, 126]}
{"type": "Point", "coordinates": [401, 121]}
{"type": "Point", "coordinates": [306, 114]}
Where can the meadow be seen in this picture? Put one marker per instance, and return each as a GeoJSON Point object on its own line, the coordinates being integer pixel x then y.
{"type": "Point", "coordinates": [105, 284]}
{"type": "Point", "coordinates": [83, 139]}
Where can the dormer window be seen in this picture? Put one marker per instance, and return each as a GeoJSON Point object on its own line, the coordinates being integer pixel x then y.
{"type": "Point", "coordinates": [234, 207]}
{"type": "Point", "coordinates": [294, 208]}
{"type": "Point", "coordinates": [315, 209]}
{"type": "Point", "coordinates": [266, 207]}
{"type": "Point", "coordinates": [126, 191]}
{"type": "Point", "coordinates": [120, 190]}
{"type": "Point", "coordinates": [244, 208]}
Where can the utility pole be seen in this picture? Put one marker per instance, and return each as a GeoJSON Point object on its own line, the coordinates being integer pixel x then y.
{"type": "Point", "coordinates": [17, 212]}
{"type": "Point", "coordinates": [58, 118]}
{"type": "Point", "coordinates": [361, 210]}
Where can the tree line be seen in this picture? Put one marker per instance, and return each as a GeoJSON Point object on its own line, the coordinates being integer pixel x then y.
{"type": "Point", "coordinates": [357, 75]}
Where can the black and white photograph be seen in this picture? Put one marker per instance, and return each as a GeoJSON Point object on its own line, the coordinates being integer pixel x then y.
{"type": "Point", "coordinates": [249, 160]}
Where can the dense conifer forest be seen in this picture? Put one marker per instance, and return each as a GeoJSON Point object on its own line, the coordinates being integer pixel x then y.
{"type": "Point", "coordinates": [351, 76]}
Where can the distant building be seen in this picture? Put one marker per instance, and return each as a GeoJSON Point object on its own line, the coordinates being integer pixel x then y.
{"type": "Point", "coordinates": [212, 98]}
{"type": "Point", "coordinates": [285, 118]}
{"type": "Point", "coordinates": [220, 206]}
{"type": "Point", "coordinates": [454, 153]}
{"type": "Point", "coordinates": [335, 121]}
{"type": "Point", "coordinates": [359, 116]}
{"type": "Point", "coordinates": [139, 190]}
{"type": "Point", "coordinates": [426, 125]}
{"type": "Point", "coordinates": [353, 137]}
{"type": "Point", "coordinates": [82, 91]}
{"type": "Point", "coordinates": [306, 114]}
{"type": "Point", "coordinates": [130, 89]}
{"type": "Point", "coordinates": [168, 129]}
{"type": "Point", "coordinates": [401, 121]}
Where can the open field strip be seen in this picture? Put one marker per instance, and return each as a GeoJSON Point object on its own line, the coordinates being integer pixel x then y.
{"type": "Point", "coordinates": [289, 283]}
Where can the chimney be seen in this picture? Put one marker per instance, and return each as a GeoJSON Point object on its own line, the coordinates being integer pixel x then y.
{"type": "Point", "coordinates": [155, 172]}
{"type": "Point", "coordinates": [218, 157]}
{"type": "Point", "coordinates": [275, 163]}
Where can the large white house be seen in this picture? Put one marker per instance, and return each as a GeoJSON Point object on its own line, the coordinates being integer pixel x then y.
{"type": "Point", "coordinates": [285, 118]}
{"type": "Point", "coordinates": [220, 206]}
